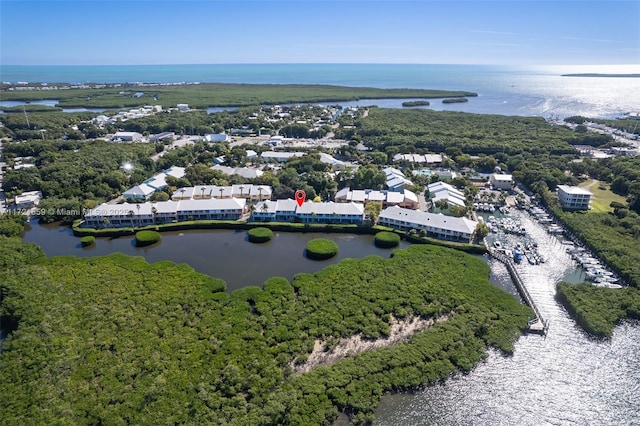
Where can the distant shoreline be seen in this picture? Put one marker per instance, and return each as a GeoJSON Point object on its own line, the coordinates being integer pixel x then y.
{"type": "Point", "coordinates": [602, 75]}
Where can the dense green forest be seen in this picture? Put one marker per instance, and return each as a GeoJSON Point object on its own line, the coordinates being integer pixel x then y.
{"type": "Point", "coordinates": [599, 309]}
{"type": "Point", "coordinates": [115, 340]}
{"type": "Point", "coordinates": [76, 169]}
{"type": "Point", "coordinates": [218, 94]}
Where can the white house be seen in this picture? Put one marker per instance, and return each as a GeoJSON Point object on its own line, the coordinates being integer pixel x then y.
{"type": "Point", "coordinates": [334, 163]}
{"type": "Point", "coordinates": [140, 192]}
{"type": "Point", "coordinates": [183, 107]}
{"type": "Point", "coordinates": [501, 181]}
{"type": "Point", "coordinates": [216, 137]}
{"type": "Point", "coordinates": [438, 226]}
{"type": "Point", "coordinates": [126, 137]}
{"type": "Point", "coordinates": [574, 197]}
{"type": "Point", "coordinates": [28, 199]}
{"type": "Point", "coordinates": [396, 180]}
{"type": "Point", "coordinates": [443, 191]}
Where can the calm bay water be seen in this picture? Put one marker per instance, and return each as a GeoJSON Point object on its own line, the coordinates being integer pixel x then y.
{"type": "Point", "coordinates": [502, 90]}
{"type": "Point", "coordinates": [220, 253]}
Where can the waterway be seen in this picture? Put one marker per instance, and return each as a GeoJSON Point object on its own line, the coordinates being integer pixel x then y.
{"type": "Point", "coordinates": [564, 378]}
{"type": "Point", "coordinates": [220, 253]}
{"type": "Point", "coordinates": [47, 102]}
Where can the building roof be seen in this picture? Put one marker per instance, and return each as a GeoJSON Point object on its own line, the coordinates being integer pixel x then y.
{"type": "Point", "coordinates": [211, 204]}
{"type": "Point", "coordinates": [574, 190]}
{"type": "Point", "coordinates": [330, 207]}
{"type": "Point", "coordinates": [140, 190]}
{"type": "Point", "coordinates": [157, 181]}
{"type": "Point", "coordinates": [287, 205]}
{"type": "Point", "coordinates": [281, 155]}
{"type": "Point", "coordinates": [501, 177]}
{"type": "Point", "coordinates": [121, 209]}
{"type": "Point", "coordinates": [439, 221]}
{"type": "Point", "coordinates": [175, 171]}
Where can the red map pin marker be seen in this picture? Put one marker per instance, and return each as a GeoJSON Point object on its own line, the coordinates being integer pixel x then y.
{"type": "Point", "coordinates": [300, 197]}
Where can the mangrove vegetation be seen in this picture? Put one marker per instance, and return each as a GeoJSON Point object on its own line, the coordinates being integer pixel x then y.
{"type": "Point", "coordinates": [110, 340]}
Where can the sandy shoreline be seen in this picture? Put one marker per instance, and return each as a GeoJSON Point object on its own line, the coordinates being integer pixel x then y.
{"type": "Point", "coordinates": [400, 331]}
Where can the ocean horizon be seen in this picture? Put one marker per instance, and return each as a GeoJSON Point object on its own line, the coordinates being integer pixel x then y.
{"type": "Point", "coordinates": [507, 90]}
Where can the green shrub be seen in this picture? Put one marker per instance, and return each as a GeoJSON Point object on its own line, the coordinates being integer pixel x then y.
{"type": "Point", "coordinates": [88, 240]}
{"type": "Point", "coordinates": [386, 239]}
{"type": "Point", "coordinates": [146, 238]}
{"type": "Point", "coordinates": [320, 249]}
{"type": "Point", "coordinates": [215, 285]}
{"type": "Point", "coordinates": [260, 235]}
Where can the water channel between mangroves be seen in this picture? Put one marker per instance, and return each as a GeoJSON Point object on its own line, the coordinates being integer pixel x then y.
{"type": "Point", "coordinates": [225, 254]}
{"type": "Point", "coordinates": [563, 378]}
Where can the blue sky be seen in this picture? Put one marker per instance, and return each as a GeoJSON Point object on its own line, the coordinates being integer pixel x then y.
{"type": "Point", "coordinates": [208, 32]}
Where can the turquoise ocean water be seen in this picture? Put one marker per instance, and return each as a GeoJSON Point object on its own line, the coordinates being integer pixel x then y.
{"type": "Point", "coordinates": [502, 90]}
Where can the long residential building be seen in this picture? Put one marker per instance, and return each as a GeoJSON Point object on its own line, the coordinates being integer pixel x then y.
{"type": "Point", "coordinates": [246, 191]}
{"type": "Point", "coordinates": [438, 226]}
{"type": "Point", "coordinates": [403, 198]}
{"type": "Point", "coordinates": [309, 212]}
{"type": "Point", "coordinates": [142, 214]}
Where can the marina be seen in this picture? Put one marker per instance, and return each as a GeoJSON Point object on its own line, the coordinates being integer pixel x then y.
{"type": "Point", "coordinates": [508, 237]}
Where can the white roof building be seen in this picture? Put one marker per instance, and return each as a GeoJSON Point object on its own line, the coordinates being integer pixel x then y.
{"type": "Point", "coordinates": [396, 180]}
{"type": "Point", "coordinates": [126, 137]}
{"type": "Point", "coordinates": [245, 172]}
{"type": "Point", "coordinates": [335, 164]}
{"type": "Point", "coordinates": [28, 199]}
{"type": "Point", "coordinates": [280, 157]}
{"type": "Point", "coordinates": [443, 191]}
{"type": "Point", "coordinates": [143, 214]}
{"type": "Point", "coordinates": [246, 191]}
{"type": "Point", "coordinates": [309, 212]}
{"type": "Point", "coordinates": [419, 158]}
{"type": "Point", "coordinates": [140, 192]}
{"type": "Point", "coordinates": [574, 197]}
{"type": "Point", "coordinates": [403, 198]}
{"type": "Point", "coordinates": [439, 226]}
{"type": "Point", "coordinates": [501, 181]}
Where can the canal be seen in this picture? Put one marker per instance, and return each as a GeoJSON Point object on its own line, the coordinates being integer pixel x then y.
{"type": "Point", "coordinates": [565, 378]}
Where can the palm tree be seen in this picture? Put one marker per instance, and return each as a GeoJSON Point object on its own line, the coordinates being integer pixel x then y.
{"type": "Point", "coordinates": [182, 193]}
{"type": "Point", "coordinates": [241, 188]}
{"type": "Point", "coordinates": [202, 189]}
{"type": "Point", "coordinates": [221, 191]}
{"type": "Point", "coordinates": [138, 207]}
{"type": "Point", "coordinates": [260, 189]}
{"type": "Point", "coordinates": [251, 209]}
{"type": "Point", "coordinates": [131, 214]}
{"type": "Point", "coordinates": [106, 221]}
{"type": "Point", "coordinates": [264, 207]}
{"type": "Point", "coordinates": [154, 211]}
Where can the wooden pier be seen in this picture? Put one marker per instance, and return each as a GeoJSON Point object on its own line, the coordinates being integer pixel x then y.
{"type": "Point", "coordinates": [536, 325]}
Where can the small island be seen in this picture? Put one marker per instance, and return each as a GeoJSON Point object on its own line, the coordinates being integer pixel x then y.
{"type": "Point", "coordinates": [415, 103]}
{"type": "Point", "coordinates": [454, 100]}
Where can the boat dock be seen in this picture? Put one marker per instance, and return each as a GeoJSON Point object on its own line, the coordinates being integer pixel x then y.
{"type": "Point", "coordinates": [536, 325]}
